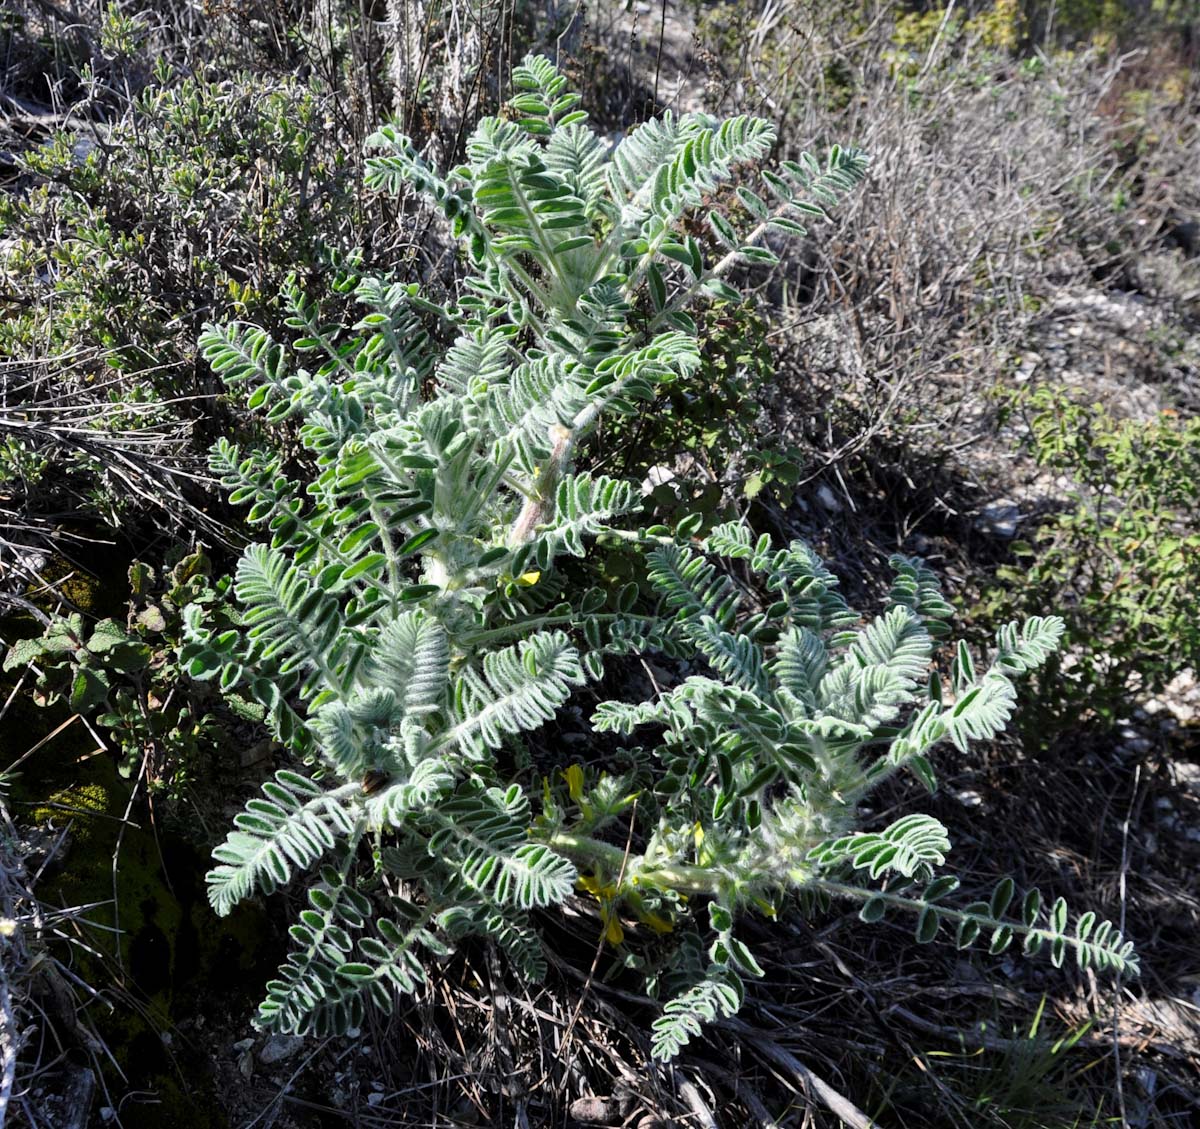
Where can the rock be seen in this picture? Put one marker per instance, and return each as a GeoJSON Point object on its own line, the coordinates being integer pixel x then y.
{"type": "Point", "coordinates": [657, 476]}
{"type": "Point", "coordinates": [1182, 696]}
{"type": "Point", "coordinates": [828, 499]}
{"type": "Point", "coordinates": [278, 1048]}
{"type": "Point", "coordinates": [259, 751]}
{"type": "Point", "coordinates": [1029, 362]}
{"type": "Point", "coordinates": [595, 1111]}
{"type": "Point", "coordinates": [1147, 1080]}
{"type": "Point", "coordinates": [1187, 236]}
{"type": "Point", "coordinates": [603, 1111]}
{"type": "Point", "coordinates": [1188, 774]}
{"type": "Point", "coordinates": [1000, 518]}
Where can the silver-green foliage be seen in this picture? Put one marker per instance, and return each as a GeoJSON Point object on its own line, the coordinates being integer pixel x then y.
{"type": "Point", "coordinates": [404, 620]}
{"type": "Point", "coordinates": [764, 763]}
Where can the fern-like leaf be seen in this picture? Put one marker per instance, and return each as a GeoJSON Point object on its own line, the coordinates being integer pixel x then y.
{"type": "Point", "coordinates": [288, 615]}
{"type": "Point", "coordinates": [288, 829]}
{"type": "Point", "coordinates": [912, 846]}
{"type": "Point", "coordinates": [692, 586]}
{"type": "Point", "coordinates": [981, 712]}
{"type": "Point", "coordinates": [717, 996]}
{"type": "Point", "coordinates": [412, 658]}
{"type": "Point", "coordinates": [484, 833]}
{"type": "Point", "coordinates": [513, 691]}
{"type": "Point", "coordinates": [1026, 646]}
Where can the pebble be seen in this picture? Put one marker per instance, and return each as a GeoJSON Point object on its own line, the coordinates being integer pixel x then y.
{"type": "Point", "coordinates": [1000, 518]}
{"type": "Point", "coordinates": [279, 1047]}
{"type": "Point", "coordinates": [828, 499]}
{"type": "Point", "coordinates": [1029, 362]}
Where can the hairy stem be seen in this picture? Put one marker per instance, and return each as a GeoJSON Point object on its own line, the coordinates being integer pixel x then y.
{"type": "Point", "coordinates": [675, 876]}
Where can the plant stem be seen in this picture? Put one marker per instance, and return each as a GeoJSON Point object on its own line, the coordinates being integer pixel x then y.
{"type": "Point", "coordinates": [686, 879]}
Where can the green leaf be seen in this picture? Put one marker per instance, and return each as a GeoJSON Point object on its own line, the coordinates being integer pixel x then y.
{"type": "Point", "coordinates": [716, 288]}
{"type": "Point", "coordinates": [126, 658]}
{"type": "Point", "coordinates": [416, 542]}
{"type": "Point", "coordinates": [760, 255]}
{"type": "Point", "coordinates": [88, 689]}
{"type": "Point", "coordinates": [23, 652]}
{"type": "Point", "coordinates": [873, 910]}
{"type": "Point", "coordinates": [720, 917]}
{"type": "Point", "coordinates": [152, 619]}
{"type": "Point", "coordinates": [351, 541]}
{"type": "Point", "coordinates": [141, 580]}
{"type": "Point", "coordinates": [754, 204]}
{"type": "Point", "coordinates": [789, 227]}
{"type": "Point", "coordinates": [415, 592]}
{"type": "Point", "coordinates": [106, 635]}
{"type": "Point", "coordinates": [722, 229]}
{"type": "Point", "coordinates": [1001, 897]}
{"type": "Point", "coordinates": [368, 565]}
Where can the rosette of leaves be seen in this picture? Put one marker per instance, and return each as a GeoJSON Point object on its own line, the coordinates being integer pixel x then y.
{"type": "Point", "coordinates": [764, 761]}
{"type": "Point", "coordinates": [404, 620]}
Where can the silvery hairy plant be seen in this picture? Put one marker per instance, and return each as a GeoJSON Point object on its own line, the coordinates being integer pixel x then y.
{"type": "Point", "coordinates": [406, 617]}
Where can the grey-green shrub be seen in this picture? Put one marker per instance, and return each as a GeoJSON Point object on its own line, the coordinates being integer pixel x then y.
{"type": "Point", "coordinates": [406, 621]}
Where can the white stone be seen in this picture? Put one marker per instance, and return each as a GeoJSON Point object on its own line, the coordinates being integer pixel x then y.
{"type": "Point", "coordinates": [828, 499]}
{"type": "Point", "coordinates": [657, 476]}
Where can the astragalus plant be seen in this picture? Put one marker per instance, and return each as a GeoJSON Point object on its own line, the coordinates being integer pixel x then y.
{"type": "Point", "coordinates": [405, 619]}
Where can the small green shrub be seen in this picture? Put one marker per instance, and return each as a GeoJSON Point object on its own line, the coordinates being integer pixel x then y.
{"type": "Point", "coordinates": [116, 246]}
{"type": "Point", "coordinates": [409, 619]}
{"type": "Point", "coordinates": [202, 197]}
{"type": "Point", "coordinates": [1120, 560]}
{"type": "Point", "coordinates": [717, 421]}
{"type": "Point", "coordinates": [128, 675]}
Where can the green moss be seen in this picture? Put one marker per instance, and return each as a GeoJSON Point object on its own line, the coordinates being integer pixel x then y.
{"type": "Point", "coordinates": [81, 803]}
{"type": "Point", "coordinates": [76, 587]}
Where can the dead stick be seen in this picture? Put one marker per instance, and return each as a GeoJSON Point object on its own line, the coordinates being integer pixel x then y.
{"type": "Point", "coordinates": [836, 1103]}
{"type": "Point", "coordinates": [697, 1104]}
